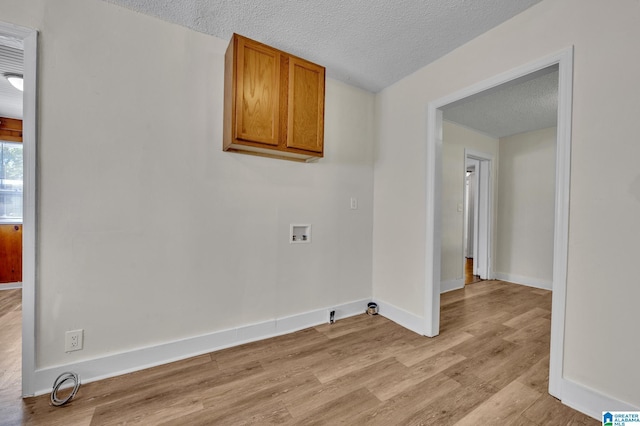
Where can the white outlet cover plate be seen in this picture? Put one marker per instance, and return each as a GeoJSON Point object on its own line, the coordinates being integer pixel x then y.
{"type": "Point", "coordinates": [73, 340]}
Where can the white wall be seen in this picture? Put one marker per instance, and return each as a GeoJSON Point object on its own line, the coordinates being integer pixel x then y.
{"type": "Point", "coordinates": [526, 206]}
{"type": "Point", "coordinates": [148, 232]}
{"type": "Point", "coordinates": [455, 139]}
{"type": "Point", "coordinates": [137, 259]}
{"type": "Point", "coordinates": [601, 306]}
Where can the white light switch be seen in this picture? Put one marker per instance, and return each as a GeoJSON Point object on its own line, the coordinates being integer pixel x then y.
{"type": "Point", "coordinates": [460, 207]}
{"type": "Point", "coordinates": [354, 203]}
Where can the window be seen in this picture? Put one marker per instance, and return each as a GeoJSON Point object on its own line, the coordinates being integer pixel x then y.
{"type": "Point", "coordinates": [10, 182]}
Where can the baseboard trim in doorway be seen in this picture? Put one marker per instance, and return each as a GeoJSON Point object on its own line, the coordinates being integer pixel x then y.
{"type": "Point", "coordinates": [589, 401]}
{"type": "Point", "coordinates": [401, 317]}
{"type": "Point", "coordinates": [522, 280]}
{"type": "Point", "coordinates": [113, 365]}
{"type": "Point", "coordinates": [10, 286]}
{"type": "Point", "coordinates": [451, 285]}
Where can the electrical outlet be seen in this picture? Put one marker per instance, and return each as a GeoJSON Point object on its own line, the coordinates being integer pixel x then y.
{"type": "Point", "coordinates": [73, 340]}
{"type": "Point", "coordinates": [332, 317]}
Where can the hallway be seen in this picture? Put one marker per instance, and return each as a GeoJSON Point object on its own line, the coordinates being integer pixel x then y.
{"type": "Point", "coordinates": [469, 278]}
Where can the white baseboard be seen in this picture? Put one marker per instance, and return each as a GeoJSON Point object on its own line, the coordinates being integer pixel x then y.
{"type": "Point", "coordinates": [574, 395]}
{"type": "Point", "coordinates": [401, 317]}
{"type": "Point", "coordinates": [589, 401]}
{"type": "Point", "coordinates": [521, 279]}
{"type": "Point", "coordinates": [10, 286]}
{"type": "Point", "coordinates": [138, 359]}
{"type": "Point", "coordinates": [451, 285]}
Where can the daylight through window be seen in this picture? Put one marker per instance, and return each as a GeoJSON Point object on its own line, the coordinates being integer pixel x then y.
{"type": "Point", "coordinates": [10, 182]}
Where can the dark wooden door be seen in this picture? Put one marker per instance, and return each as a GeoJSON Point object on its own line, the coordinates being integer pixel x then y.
{"type": "Point", "coordinates": [10, 253]}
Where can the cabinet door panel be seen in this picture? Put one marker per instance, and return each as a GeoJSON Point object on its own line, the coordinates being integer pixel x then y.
{"type": "Point", "coordinates": [305, 128]}
{"type": "Point", "coordinates": [10, 253]}
{"type": "Point", "coordinates": [257, 109]}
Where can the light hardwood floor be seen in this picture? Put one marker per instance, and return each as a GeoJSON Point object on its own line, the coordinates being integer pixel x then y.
{"type": "Point", "coordinates": [469, 278]}
{"type": "Point", "coordinates": [488, 366]}
{"type": "Point", "coordinates": [10, 356]}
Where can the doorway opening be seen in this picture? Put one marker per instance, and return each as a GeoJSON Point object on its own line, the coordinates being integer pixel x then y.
{"type": "Point", "coordinates": [25, 40]}
{"type": "Point", "coordinates": [470, 196]}
{"type": "Point", "coordinates": [11, 214]}
{"type": "Point", "coordinates": [11, 165]}
{"type": "Point", "coordinates": [564, 61]}
{"type": "Point", "coordinates": [477, 216]}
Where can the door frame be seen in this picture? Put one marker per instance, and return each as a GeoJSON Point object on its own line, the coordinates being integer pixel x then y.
{"type": "Point", "coordinates": [564, 60]}
{"type": "Point", "coordinates": [483, 212]}
{"type": "Point", "coordinates": [470, 217]}
{"type": "Point", "coordinates": [27, 39]}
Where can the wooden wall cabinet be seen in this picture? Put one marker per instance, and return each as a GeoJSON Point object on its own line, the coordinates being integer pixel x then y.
{"type": "Point", "coordinates": [273, 102]}
{"type": "Point", "coordinates": [10, 129]}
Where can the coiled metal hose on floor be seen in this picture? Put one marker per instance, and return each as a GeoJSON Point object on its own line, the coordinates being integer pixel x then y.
{"type": "Point", "coordinates": [63, 378]}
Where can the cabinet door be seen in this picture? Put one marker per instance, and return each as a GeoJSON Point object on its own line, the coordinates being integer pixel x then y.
{"type": "Point", "coordinates": [10, 253]}
{"type": "Point", "coordinates": [305, 128]}
{"type": "Point", "coordinates": [258, 88]}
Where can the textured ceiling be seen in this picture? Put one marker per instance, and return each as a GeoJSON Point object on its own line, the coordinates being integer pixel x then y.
{"type": "Point", "coordinates": [370, 44]}
{"type": "Point", "coordinates": [10, 97]}
{"type": "Point", "coordinates": [523, 105]}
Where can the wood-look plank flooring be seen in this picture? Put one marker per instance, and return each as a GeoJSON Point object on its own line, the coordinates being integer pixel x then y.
{"type": "Point", "coordinates": [469, 278]}
{"type": "Point", "coordinates": [488, 366]}
{"type": "Point", "coordinates": [10, 356]}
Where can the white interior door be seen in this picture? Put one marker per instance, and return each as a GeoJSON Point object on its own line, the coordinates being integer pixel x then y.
{"type": "Point", "coordinates": [481, 261]}
{"type": "Point", "coordinates": [470, 218]}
